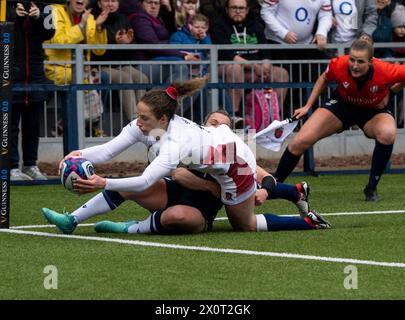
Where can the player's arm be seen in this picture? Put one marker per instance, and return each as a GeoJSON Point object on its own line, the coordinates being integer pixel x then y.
{"type": "Point", "coordinates": [267, 184]}
{"type": "Point", "coordinates": [319, 86]}
{"type": "Point", "coordinates": [189, 180]}
{"type": "Point", "coordinates": [397, 87]}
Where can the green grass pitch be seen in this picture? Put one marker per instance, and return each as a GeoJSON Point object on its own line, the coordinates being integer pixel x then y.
{"type": "Point", "coordinates": [110, 270]}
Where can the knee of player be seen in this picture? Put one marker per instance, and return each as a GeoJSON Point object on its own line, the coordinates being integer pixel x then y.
{"type": "Point", "coordinates": [173, 216]}
{"type": "Point", "coordinates": [298, 145]}
{"type": "Point", "coordinates": [386, 136]}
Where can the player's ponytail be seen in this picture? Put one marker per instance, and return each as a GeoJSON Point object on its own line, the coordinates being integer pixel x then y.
{"type": "Point", "coordinates": [165, 101]}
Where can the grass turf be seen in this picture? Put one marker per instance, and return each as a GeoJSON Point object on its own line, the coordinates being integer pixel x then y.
{"type": "Point", "coordinates": [101, 270]}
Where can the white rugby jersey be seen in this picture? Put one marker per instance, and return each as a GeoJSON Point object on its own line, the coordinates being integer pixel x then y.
{"type": "Point", "coordinates": [186, 144]}
{"type": "Point", "coordinates": [298, 16]}
{"type": "Point", "coordinates": [345, 12]}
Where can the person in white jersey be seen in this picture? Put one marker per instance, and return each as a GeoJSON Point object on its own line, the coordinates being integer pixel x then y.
{"type": "Point", "coordinates": [179, 142]}
{"type": "Point", "coordinates": [353, 19]}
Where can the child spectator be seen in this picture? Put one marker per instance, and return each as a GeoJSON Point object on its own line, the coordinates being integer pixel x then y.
{"type": "Point", "coordinates": [383, 32]}
{"type": "Point", "coordinates": [194, 33]}
{"type": "Point", "coordinates": [398, 28]}
{"type": "Point", "coordinates": [184, 13]}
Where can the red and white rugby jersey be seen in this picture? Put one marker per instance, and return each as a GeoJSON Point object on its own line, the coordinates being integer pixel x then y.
{"type": "Point", "coordinates": [382, 76]}
{"type": "Point", "coordinates": [186, 144]}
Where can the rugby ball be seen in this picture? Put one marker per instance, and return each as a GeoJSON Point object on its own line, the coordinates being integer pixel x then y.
{"type": "Point", "coordinates": [74, 168]}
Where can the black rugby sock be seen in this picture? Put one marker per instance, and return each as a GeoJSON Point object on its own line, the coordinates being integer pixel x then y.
{"type": "Point", "coordinates": [286, 165]}
{"type": "Point", "coordinates": [381, 156]}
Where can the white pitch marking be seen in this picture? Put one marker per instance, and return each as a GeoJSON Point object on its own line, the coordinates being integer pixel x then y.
{"type": "Point", "coordinates": [40, 226]}
{"type": "Point", "coordinates": [340, 213]}
{"type": "Point", "coordinates": [209, 249]}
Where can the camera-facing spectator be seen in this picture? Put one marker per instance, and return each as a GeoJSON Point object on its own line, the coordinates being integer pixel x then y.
{"type": "Point", "coordinates": [237, 26]}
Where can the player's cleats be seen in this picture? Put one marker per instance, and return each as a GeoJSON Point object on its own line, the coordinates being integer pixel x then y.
{"type": "Point", "coordinates": [317, 221]}
{"type": "Point", "coordinates": [107, 226]}
{"type": "Point", "coordinates": [371, 194]}
{"type": "Point", "coordinates": [303, 203]}
{"type": "Point", "coordinates": [64, 222]}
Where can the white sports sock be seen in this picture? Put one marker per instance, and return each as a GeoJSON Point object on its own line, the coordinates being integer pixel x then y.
{"type": "Point", "coordinates": [143, 226]}
{"type": "Point", "coordinates": [261, 223]}
{"type": "Point", "coordinates": [95, 206]}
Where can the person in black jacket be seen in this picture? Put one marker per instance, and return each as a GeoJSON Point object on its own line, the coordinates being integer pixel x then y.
{"type": "Point", "coordinates": [30, 31]}
{"type": "Point", "coordinates": [238, 26]}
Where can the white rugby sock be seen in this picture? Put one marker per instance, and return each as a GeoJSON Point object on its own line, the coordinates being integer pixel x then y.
{"type": "Point", "coordinates": [144, 226]}
{"type": "Point", "coordinates": [95, 206]}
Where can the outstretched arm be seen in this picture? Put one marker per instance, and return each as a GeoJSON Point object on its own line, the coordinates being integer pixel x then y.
{"type": "Point", "coordinates": [319, 86]}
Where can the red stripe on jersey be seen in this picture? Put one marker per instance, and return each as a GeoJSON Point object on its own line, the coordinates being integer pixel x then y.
{"type": "Point", "coordinates": [242, 176]}
{"type": "Point", "coordinates": [271, 2]}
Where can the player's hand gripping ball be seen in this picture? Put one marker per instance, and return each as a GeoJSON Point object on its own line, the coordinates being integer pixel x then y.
{"type": "Point", "coordinates": [74, 168]}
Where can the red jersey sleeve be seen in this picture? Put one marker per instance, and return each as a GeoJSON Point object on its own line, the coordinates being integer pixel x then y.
{"type": "Point", "coordinates": [394, 72]}
{"type": "Point", "coordinates": [330, 72]}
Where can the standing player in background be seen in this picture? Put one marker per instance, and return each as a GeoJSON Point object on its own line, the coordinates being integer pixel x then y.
{"type": "Point", "coordinates": [361, 98]}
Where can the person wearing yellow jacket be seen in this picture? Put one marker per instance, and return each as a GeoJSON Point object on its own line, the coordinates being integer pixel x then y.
{"type": "Point", "coordinates": [74, 24]}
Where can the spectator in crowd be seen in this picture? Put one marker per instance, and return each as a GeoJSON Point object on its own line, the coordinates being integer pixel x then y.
{"type": "Point", "coordinates": [298, 22]}
{"type": "Point", "coordinates": [215, 8]}
{"type": "Point", "coordinates": [353, 19]}
{"type": "Point", "coordinates": [185, 11]}
{"type": "Point", "coordinates": [28, 68]}
{"type": "Point", "coordinates": [149, 29]}
{"type": "Point", "coordinates": [119, 31]}
{"type": "Point", "coordinates": [398, 29]}
{"type": "Point", "coordinates": [383, 32]}
{"type": "Point", "coordinates": [238, 26]}
{"type": "Point", "coordinates": [196, 32]}
{"type": "Point", "coordinates": [74, 24]}
{"type": "Point", "coordinates": [293, 22]}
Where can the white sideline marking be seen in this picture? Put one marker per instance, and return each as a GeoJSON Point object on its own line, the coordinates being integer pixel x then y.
{"type": "Point", "coordinates": [40, 226]}
{"type": "Point", "coordinates": [340, 213]}
{"type": "Point", "coordinates": [209, 249]}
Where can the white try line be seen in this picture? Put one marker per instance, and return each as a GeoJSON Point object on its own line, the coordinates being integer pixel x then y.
{"type": "Point", "coordinates": [40, 226]}
{"type": "Point", "coordinates": [209, 249]}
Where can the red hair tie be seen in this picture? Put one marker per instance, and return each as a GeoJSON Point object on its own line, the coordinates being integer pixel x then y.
{"type": "Point", "coordinates": [172, 92]}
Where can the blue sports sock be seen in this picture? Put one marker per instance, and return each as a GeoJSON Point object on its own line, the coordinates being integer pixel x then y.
{"type": "Point", "coordinates": [285, 191]}
{"type": "Point", "coordinates": [277, 223]}
{"type": "Point", "coordinates": [113, 198]}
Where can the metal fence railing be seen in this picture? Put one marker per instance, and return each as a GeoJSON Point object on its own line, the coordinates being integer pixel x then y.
{"type": "Point", "coordinates": [68, 99]}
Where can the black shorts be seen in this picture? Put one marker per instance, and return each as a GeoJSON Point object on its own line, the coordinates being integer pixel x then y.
{"type": "Point", "coordinates": [350, 114]}
{"type": "Point", "coordinates": [201, 200]}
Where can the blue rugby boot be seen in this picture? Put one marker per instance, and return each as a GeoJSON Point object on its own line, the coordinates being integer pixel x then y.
{"type": "Point", "coordinates": [64, 222]}
{"type": "Point", "coordinates": [107, 226]}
